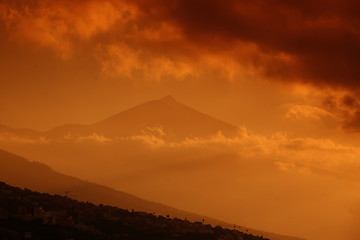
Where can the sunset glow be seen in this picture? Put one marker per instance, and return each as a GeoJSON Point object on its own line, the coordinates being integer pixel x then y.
{"type": "Point", "coordinates": [247, 112]}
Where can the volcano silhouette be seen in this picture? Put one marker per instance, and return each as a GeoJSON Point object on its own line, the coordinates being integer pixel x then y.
{"type": "Point", "coordinates": [166, 118]}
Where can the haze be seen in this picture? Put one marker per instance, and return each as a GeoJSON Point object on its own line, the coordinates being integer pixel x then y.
{"type": "Point", "coordinates": [247, 112]}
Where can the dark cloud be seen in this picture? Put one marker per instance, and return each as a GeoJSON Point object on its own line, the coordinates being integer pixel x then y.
{"type": "Point", "coordinates": [350, 101]}
{"type": "Point", "coordinates": [353, 123]}
{"type": "Point", "coordinates": [323, 36]}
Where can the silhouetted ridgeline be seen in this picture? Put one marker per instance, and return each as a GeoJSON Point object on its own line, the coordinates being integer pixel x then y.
{"type": "Point", "coordinates": [25, 214]}
{"type": "Point", "coordinates": [19, 172]}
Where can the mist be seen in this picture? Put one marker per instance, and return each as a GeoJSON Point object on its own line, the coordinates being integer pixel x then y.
{"type": "Point", "coordinates": [304, 187]}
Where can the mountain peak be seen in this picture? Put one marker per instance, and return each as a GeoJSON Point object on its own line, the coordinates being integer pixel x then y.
{"type": "Point", "coordinates": [177, 120]}
{"type": "Point", "coordinates": [168, 98]}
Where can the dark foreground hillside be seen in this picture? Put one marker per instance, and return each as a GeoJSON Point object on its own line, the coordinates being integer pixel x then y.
{"type": "Point", "coordinates": [25, 214]}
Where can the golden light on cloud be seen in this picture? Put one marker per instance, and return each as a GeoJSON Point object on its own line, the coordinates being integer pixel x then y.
{"type": "Point", "coordinates": [59, 25]}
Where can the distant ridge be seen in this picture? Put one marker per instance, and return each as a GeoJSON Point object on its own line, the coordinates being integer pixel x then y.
{"type": "Point", "coordinates": [20, 132]}
{"type": "Point", "coordinates": [19, 172]}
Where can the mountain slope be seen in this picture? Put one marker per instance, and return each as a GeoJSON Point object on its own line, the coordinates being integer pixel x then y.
{"type": "Point", "coordinates": [19, 172]}
{"type": "Point", "coordinates": [19, 132]}
{"type": "Point", "coordinates": [46, 216]}
{"type": "Point", "coordinates": [165, 117]}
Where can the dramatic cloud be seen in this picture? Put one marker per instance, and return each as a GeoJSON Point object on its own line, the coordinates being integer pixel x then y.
{"type": "Point", "coordinates": [319, 41]}
{"type": "Point", "coordinates": [206, 41]}
{"type": "Point", "coordinates": [322, 37]}
{"type": "Point", "coordinates": [121, 61]}
{"type": "Point", "coordinates": [303, 111]}
{"type": "Point", "coordinates": [346, 105]}
{"type": "Point", "coordinates": [61, 26]}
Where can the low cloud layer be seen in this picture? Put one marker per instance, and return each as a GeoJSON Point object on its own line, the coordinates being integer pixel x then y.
{"type": "Point", "coordinates": [305, 155]}
{"type": "Point", "coordinates": [236, 179]}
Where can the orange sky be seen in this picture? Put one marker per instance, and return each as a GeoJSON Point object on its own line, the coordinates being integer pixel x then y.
{"type": "Point", "coordinates": [285, 72]}
{"type": "Point", "coordinates": [80, 61]}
